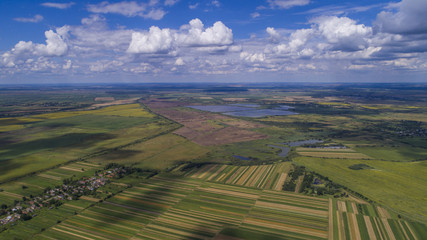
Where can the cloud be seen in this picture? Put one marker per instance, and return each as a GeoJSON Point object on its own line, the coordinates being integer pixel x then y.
{"type": "Point", "coordinates": [179, 62]}
{"type": "Point", "coordinates": [255, 14]}
{"type": "Point", "coordinates": [193, 6]}
{"type": "Point", "coordinates": [195, 34]}
{"type": "Point", "coordinates": [286, 4]}
{"type": "Point", "coordinates": [129, 9]}
{"type": "Point", "coordinates": [252, 57]}
{"type": "Point", "coordinates": [405, 17]}
{"type": "Point", "coordinates": [37, 18]}
{"type": "Point", "coordinates": [155, 41]}
{"type": "Point", "coordinates": [170, 2]}
{"type": "Point", "coordinates": [344, 33]}
{"type": "Point", "coordinates": [216, 3]}
{"type": "Point", "coordinates": [23, 51]}
{"type": "Point", "coordinates": [58, 5]}
{"type": "Point", "coordinates": [274, 35]}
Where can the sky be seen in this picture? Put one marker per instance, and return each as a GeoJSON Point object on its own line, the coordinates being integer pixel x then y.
{"type": "Point", "coordinates": [213, 41]}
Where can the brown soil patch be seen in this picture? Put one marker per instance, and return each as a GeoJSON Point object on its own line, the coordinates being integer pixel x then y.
{"type": "Point", "coordinates": [281, 181]}
{"type": "Point", "coordinates": [203, 128]}
{"type": "Point", "coordinates": [369, 227]}
{"type": "Point", "coordinates": [225, 136]}
{"type": "Point", "coordinates": [244, 124]}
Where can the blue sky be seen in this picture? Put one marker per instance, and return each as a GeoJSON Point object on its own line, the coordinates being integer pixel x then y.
{"type": "Point", "coordinates": [213, 40]}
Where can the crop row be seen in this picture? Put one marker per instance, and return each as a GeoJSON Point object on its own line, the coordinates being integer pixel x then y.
{"type": "Point", "coordinates": [125, 214]}
{"type": "Point", "coordinates": [364, 221]}
{"type": "Point", "coordinates": [270, 176]}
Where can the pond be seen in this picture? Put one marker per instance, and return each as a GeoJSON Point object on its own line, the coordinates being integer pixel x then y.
{"type": "Point", "coordinates": [260, 113]}
{"type": "Point", "coordinates": [304, 142]}
{"type": "Point", "coordinates": [245, 110]}
{"type": "Point", "coordinates": [285, 150]}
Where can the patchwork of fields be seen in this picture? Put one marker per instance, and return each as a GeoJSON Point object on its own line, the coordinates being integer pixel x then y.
{"type": "Point", "coordinates": [46, 140]}
{"type": "Point", "coordinates": [270, 176]}
{"type": "Point", "coordinates": [34, 185]}
{"type": "Point", "coordinates": [173, 207]}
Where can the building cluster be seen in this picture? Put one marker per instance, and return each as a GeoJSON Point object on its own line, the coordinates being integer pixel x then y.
{"type": "Point", "coordinates": [70, 190]}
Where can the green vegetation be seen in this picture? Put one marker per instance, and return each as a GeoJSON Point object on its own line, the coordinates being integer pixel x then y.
{"type": "Point", "coordinates": [367, 178]}
{"type": "Point", "coordinates": [360, 166]}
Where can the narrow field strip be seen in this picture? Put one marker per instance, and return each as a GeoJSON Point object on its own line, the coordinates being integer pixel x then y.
{"type": "Point", "coordinates": [49, 176]}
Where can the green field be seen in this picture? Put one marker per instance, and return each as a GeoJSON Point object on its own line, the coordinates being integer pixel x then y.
{"type": "Point", "coordinates": [398, 185]}
{"type": "Point", "coordinates": [56, 138]}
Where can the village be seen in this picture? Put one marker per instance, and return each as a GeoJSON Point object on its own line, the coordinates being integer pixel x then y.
{"type": "Point", "coordinates": [54, 197]}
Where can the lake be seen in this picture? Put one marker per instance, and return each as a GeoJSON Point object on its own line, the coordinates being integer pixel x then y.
{"type": "Point", "coordinates": [245, 110]}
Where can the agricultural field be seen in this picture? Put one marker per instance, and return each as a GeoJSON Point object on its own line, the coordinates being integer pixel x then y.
{"type": "Point", "coordinates": [50, 139]}
{"type": "Point", "coordinates": [221, 177]}
{"type": "Point", "coordinates": [169, 206]}
{"type": "Point", "coordinates": [157, 153]}
{"type": "Point", "coordinates": [271, 176]}
{"type": "Point", "coordinates": [397, 185]}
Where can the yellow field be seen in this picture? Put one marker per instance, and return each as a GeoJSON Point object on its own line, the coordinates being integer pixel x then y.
{"type": "Point", "coordinates": [127, 110]}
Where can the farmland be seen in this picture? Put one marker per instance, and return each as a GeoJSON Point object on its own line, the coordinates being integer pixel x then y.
{"type": "Point", "coordinates": [170, 206]}
{"type": "Point", "coordinates": [50, 139]}
{"type": "Point", "coordinates": [219, 176]}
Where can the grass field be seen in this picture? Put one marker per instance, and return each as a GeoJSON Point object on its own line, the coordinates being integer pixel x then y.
{"type": "Point", "coordinates": [59, 137]}
{"type": "Point", "coordinates": [157, 153]}
{"type": "Point", "coordinates": [398, 185]}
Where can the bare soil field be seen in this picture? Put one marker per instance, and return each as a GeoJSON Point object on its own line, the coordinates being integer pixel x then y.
{"type": "Point", "coordinates": [202, 127]}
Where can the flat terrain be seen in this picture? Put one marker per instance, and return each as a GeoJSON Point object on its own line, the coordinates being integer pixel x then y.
{"type": "Point", "coordinates": [217, 176]}
{"type": "Point", "coordinates": [205, 128]}
{"type": "Point", "coordinates": [174, 207]}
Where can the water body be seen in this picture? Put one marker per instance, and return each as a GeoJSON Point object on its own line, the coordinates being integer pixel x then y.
{"type": "Point", "coordinates": [241, 157]}
{"type": "Point", "coordinates": [260, 113]}
{"type": "Point", "coordinates": [245, 110]}
{"type": "Point", "coordinates": [220, 108]}
{"type": "Point", "coordinates": [300, 143]}
{"type": "Point", "coordinates": [285, 150]}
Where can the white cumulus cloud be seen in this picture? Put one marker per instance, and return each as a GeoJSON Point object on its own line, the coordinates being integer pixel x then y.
{"type": "Point", "coordinates": [196, 34]}
{"type": "Point", "coordinates": [23, 52]}
{"type": "Point", "coordinates": [154, 41]}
